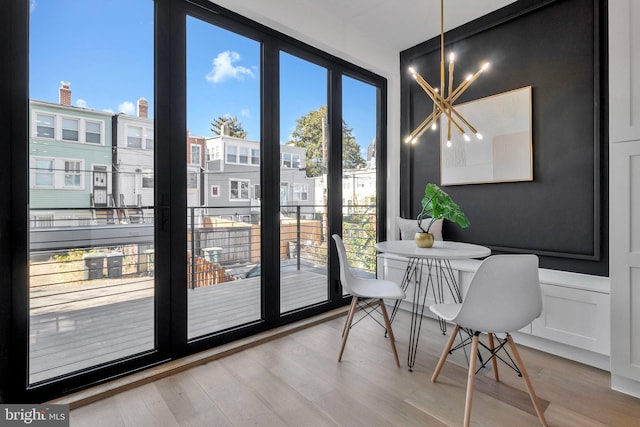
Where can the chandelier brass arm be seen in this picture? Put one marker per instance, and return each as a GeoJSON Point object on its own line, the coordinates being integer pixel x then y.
{"type": "Point", "coordinates": [441, 105]}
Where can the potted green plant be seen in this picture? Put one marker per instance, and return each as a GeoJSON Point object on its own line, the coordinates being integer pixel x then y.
{"type": "Point", "coordinates": [436, 204]}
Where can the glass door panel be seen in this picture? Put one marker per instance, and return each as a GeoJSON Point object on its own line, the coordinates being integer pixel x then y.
{"type": "Point", "coordinates": [303, 183]}
{"type": "Point", "coordinates": [359, 127]}
{"type": "Point", "coordinates": [91, 195]}
{"type": "Point", "coordinates": [223, 179]}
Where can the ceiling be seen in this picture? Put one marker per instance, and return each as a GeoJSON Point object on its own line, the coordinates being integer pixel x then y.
{"type": "Point", "coordinates": [396, 24]}
{"type": "Point", "coordinates": [405, 23]}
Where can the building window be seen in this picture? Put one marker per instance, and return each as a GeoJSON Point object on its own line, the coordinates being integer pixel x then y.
{"type": "Point", "coordinates": [232, 154]}
{"type": "Point", "coordinates": [244, 156]}
{"type": "Point", "coordinates": [70, 129]}
{"type": "Point", "coordinates": [134, 137]}
{"type": "Point", "coordinates": [295, 161]}
{"type": "Point", "coordinates": [192, 180]}
{"type": "Point", "coordinates": [285, 159]}
{"type": "Point", "coordinates": [44, 173]}
{"type": "Point", "coordinates": [300, 192]}
{"type": "Point", "coordinates": [72, 173]}
{"type": "Point", "coordinates": [239, 190]}
{"type": "Point", "coordinates": [92, 133]}
{"type": "Point", "coordinates": [148, 182]}
{"type": "Point", "coordinates": [148, 139]}
{"type": "Point", "coordinates": [255, 157]}
{"type": "Point", "coordinates": [215, 191]}
{"type": "Point", "coordinates": [257, 192]}
{"type": "Point", "coordinates": [196, 154]}
{"type": "Point", "coordinates": [45, 127]}
{"type": "Point", "coordinates": [284, 193]}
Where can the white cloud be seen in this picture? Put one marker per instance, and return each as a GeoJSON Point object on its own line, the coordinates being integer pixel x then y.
{"type": "Point", "coordinates": [223, 68]}
{"type": "Point", "coordinates": [81, 103]}
{"type": "Point", "coordinates": [245, 112]}
{"type": "Point", "coordinates": [126, 107]}
{"type": "Point", "coordinates": [32, 6]}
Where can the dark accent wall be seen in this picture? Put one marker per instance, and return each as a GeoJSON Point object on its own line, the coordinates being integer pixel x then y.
{"type": "Point", "coordinates": [559, 49]}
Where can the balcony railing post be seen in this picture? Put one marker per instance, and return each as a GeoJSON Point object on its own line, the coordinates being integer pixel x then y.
{"type": "Point", "coordinates": [193, 252]}
{"type": "Point", "coordinates": [298, 235]}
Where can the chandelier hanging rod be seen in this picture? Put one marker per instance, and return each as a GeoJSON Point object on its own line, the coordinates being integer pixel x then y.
{"type": "Point", "coordinates": [442, 105]}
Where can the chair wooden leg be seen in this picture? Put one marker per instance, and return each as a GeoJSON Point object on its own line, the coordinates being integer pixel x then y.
{"type": "Point", "coordinates": [470, 380]}
{"type": "Point", "coordinates": [527, 380]}
{"type": "Point", "coordinates": [494, 360]}
{"type": "Point", "coordinates": [346, 321]}
{"type": "Point", "coordinates": [347, 325]}
{"type": "Point", "coordinates": [387, 323]}
{"type": "Point", "coordinates": [445, 353]}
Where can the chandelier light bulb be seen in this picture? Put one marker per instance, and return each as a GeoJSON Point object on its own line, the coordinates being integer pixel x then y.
{"type": "Point", "coordinates": [469, 77]}
{"type": "Point", "coordinates": [466, 137]}
{"type": "Point", "coordinates": [434, 126]}
{"type": "Point", "coordinates": [452, 56]}
{"type": "Point", "coordinates": [407, 139]}
{"type": "Point", "coordinates": [479, 135]}
{"type": "Point", "coordinates": [485, 66]}
{"type": "Point", "coordinates": [414, 140]}
{"type": "Point", "coordinates": [448, 144]}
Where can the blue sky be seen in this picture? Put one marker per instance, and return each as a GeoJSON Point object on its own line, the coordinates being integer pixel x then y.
{"type": "Point", "coordinates": [107, 56]}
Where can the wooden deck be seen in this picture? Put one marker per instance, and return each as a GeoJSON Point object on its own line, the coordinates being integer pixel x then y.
{"type": "Point", "coordinates": [72, 329]}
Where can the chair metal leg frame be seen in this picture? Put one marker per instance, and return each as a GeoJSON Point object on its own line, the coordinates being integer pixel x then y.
{"type": "Point", "coordinates": [517, 365]}
{"type": "Point", "coordinates": [368, 308]}
{"type": "Point", "coordinates": [494, 354]}
{"type": "Point", "coordinates": [464, 342]}
{"type": "Point", "coordinates": [349, 324]}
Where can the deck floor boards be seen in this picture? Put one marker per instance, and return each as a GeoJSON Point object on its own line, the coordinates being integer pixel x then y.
{"type": "Point", "coordinates": [75, 329]}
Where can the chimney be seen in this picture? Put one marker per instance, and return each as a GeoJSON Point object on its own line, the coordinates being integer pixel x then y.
{"type": "Point", "coordinates": [143, 107]}
{"type": "Point", "coordinates": [224, 129]}
{"type": "Point", "coordinates": [65, 93]}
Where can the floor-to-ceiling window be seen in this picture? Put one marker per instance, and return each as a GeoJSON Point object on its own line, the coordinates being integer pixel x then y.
{"type": "Point", "coordinates": [303, 148]}
{"type": "Point", "coordinates": [359, 173]}
{"type": "Point", "coordinates": [91, 184]}
{"type": "Point", "coordinates": [223, 179]}
{"type": "Point", "coordinates": [175, 201]}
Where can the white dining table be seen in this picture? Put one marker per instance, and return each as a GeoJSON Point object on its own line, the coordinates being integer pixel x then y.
{"type": "Point", "coordinates": [439, 277]}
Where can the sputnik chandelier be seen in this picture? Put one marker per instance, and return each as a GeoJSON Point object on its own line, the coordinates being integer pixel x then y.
{"type": "Point", "coordinates": [442, 105]}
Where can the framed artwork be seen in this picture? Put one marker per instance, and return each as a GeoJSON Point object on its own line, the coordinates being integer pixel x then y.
{"type": "Point", "coordinates": [504, 154]}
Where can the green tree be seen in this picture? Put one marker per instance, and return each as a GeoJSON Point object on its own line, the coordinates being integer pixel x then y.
{"type": "Point", "coordinates": [311, 132]}
{"type": "Point", "coordinates": [235, 127]}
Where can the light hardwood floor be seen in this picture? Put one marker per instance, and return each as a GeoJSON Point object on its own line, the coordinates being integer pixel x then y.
{"type": "Point", "coordinates": [295, 380]}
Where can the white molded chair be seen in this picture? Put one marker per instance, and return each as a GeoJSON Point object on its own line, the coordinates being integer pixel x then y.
{"type": "Point", "coordinates": [376, 289]}
{"type": "Point", "coordinates": [504, 295]}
